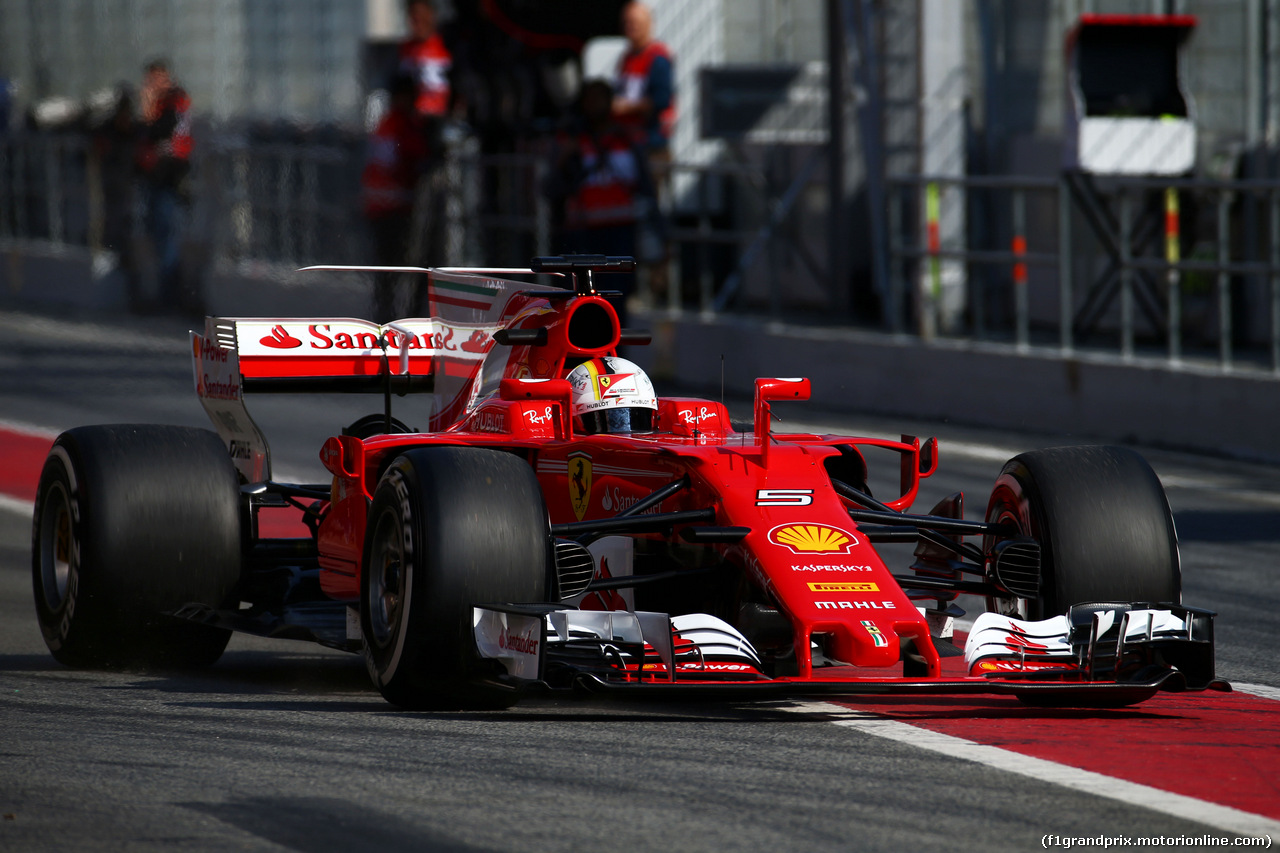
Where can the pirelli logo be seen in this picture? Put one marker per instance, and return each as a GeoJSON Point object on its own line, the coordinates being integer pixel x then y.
{"type": "Point", "coordinates": [844, 587]}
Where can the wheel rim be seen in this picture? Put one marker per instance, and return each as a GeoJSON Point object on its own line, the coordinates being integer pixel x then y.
{"type": "Point", "coordinates": [385, 578]}
{"type": "Point", "coordinates": [59, 550]}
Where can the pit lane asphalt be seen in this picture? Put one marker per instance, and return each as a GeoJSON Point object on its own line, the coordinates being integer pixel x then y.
{"type": "Point", "coordinates": [286, 746]}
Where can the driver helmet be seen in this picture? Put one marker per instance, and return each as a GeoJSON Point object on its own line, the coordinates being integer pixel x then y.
{"type": "Point", "coordinates": [611, 395]}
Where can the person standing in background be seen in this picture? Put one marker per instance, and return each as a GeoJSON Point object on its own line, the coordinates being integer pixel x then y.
{"type": "Point", "coordinates": [426, 60]}
{"type": "Point", "coordinates": [645, 104]}
{"type": "Point", "coordinates": [599, 179]}
{"type": "Point", "coordinates": [396, 159]}
{"type": "Point", "coordinates": [164, 159]}
{"type": "Point", "coordinates": [115, 143]}
{"type": "Point", "coordinates": [424, 57]}
{"type": "Point", "coordinates": [645, 101]}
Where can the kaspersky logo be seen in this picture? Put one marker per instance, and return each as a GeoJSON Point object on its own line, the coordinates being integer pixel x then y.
{"type": "Point", "coordinates": [813, 538]}
{"type": "Point", "coordinates": [280, 339]}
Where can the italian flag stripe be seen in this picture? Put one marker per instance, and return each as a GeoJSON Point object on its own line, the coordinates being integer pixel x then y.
{"type": "Point", "coordinates": [461, 303]}
{"type": "Point", "coordinates": [464, 288]}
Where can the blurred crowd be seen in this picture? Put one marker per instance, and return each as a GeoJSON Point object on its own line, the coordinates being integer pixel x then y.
{"type": "Point", "coordinates": [606, 180]}
{"type": "Point", "coordinates": [143, 150]}
{"type": "Point", "coordinates": [492, 77]}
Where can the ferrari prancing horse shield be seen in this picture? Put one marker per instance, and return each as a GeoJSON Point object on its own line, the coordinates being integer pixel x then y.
{"type": "Point", "coordinates": [580, 483]}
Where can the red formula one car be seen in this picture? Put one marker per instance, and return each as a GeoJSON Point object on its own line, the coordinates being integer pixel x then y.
{"type": "Point", "coordinates": [559, 527]}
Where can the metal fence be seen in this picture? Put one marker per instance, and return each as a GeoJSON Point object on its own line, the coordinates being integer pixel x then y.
{"type": "Point", "coordinates": [266, 208]}
{"type": "Point", "coordinates": [1173, 269]}
{"type": "Point", "coordinates": [1181, 271]}
{"type": "Point", "coordinates": [46, 193]}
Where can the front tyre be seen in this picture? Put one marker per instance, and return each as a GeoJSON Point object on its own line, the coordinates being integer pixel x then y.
{"type": "Point", "coordinates": [449, 527]}
{"type": "Point", "coordinates": [131, 523]}
{"type": "Point", "coordinates": [1103, 524]}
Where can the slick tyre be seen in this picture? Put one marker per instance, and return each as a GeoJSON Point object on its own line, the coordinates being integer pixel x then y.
{"type": "Point", "coordinates": [133, 522]}
{"type": "Point", "coordinates": [1103, 524]}
{"type": "Point", "coordinates": [449, 527]}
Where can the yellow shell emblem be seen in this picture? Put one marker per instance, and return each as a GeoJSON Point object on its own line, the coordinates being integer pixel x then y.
{"type": "Point", "coordinates": [813, 538]}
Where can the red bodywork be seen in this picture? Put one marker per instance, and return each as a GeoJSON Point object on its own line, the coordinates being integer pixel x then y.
{"type": "Point", "coordinates": [803, 550]}
{"type": "Point", "coordinates": [762, 513]}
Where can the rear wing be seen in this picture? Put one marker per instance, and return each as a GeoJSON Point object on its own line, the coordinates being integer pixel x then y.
{"type": "Point", "coordinates": [441, 355]}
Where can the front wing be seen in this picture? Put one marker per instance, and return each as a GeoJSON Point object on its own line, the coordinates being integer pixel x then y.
{"type": "Point", "coordinates": [1103, 654]}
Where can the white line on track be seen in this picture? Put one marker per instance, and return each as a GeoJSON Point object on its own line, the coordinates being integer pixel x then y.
{"type": "Point", "coordinates": [1264, 691]}
{"type": "Point", "coordinates": [1132, 793]}
{"type": "Point", "coordinates": [17, 505]}
{"type": "Point", "coordinates": [164, 337]}
{"type": "Point", "coordinates": [28, 429]}
{"type": "Point", "coordinates": [996, 453]}
{"type": "Point", "coordinates": [1177, 805]}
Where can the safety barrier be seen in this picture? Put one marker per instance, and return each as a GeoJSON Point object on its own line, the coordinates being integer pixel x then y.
{"type": "Point", "coordinates": [1179, 271]}
{"type": "Point", "coordinates": [1161, 260]}
{"type": "Point", "coordinates": [45, 189]}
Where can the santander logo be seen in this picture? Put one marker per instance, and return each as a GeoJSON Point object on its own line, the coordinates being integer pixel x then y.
{"type": "Point", "coordinates": [280, 339]}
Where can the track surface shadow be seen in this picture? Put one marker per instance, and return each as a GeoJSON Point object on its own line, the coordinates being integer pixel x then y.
{"type": "Point", "coordinates": [324, 824]}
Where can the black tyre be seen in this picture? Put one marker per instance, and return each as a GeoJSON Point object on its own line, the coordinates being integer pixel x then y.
{"type": "Point", "coordinates": [1103, 524]}
{"type": "Point", "coordinates": [131, 523]}
{"type": "Point", "coordinates": [449, 527]}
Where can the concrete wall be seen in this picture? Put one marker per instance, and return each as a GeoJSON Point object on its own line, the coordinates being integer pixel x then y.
{"type": "Point", "coordinates": [1090, 397]}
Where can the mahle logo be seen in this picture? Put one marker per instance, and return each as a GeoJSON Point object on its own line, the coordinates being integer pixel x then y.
{"type": "Point", "coordinates": [813, 538]}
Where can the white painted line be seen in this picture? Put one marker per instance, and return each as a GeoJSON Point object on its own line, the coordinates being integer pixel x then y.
{"type": "Point", "coordinates": [28, 429]}
{"type": "Point", "coordinates": [17, 505]}
{"type": "Point", "coordinates": [946, 447]}
{"type": "Point", "coordinates": [1130, 793]}
{"type": "Point", "coordinates": [995, 453]}
{"type": "Point", "coordinates": [971, 450]}
{"type": "Point", "coordinates": [1264, 691]}
{"type": "Point", "coordinates": [168, 338]}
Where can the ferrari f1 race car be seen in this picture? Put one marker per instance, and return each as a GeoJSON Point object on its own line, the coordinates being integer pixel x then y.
{"type": "Point", "coordinates": [559, 527]}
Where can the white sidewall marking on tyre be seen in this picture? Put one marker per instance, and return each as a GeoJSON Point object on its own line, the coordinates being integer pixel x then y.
{"type": "Point", "coordinates": [1130, 793]}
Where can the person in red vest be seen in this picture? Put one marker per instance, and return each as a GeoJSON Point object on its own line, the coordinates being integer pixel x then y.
{"type": "Point", "coordinates": [600, 181]}
{"type": "Point", "coordinates": [164, 159]}
{"type": "Point", "coordinates": [424, 57]}
{"type": "Point", "coordinates": [396, 158]}
{"type": "Point", "coordinates": [645, 100]}
{"type": "Point", "coordinates": [645, 103]}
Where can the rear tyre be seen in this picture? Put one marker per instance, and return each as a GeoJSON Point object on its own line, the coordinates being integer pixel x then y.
{"type": "Point", "coordinates": [1103, 524]}
{"type": "Point", "coordinates": [131, 523]}
{"type": "Point", "coordinates": [449, 527]}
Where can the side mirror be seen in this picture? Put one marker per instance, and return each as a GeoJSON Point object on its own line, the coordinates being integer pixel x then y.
{"type": "Point", "coordinates": [928, 457]}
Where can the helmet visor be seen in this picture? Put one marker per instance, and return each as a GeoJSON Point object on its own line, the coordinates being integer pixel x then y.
{"type": "Point", "coordinates": [617, 421]}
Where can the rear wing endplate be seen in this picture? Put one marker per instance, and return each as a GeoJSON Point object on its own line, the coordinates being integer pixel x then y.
{"type": "Point", "coordinates": [235, 356]}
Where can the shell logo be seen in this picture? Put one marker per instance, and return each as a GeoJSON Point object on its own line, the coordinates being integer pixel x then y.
{"type": "Point", "coordinates": [813, 538]}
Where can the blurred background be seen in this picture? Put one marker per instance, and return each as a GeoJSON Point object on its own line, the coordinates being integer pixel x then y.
{"type": "Point", "coordinates": [1049, 176]}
